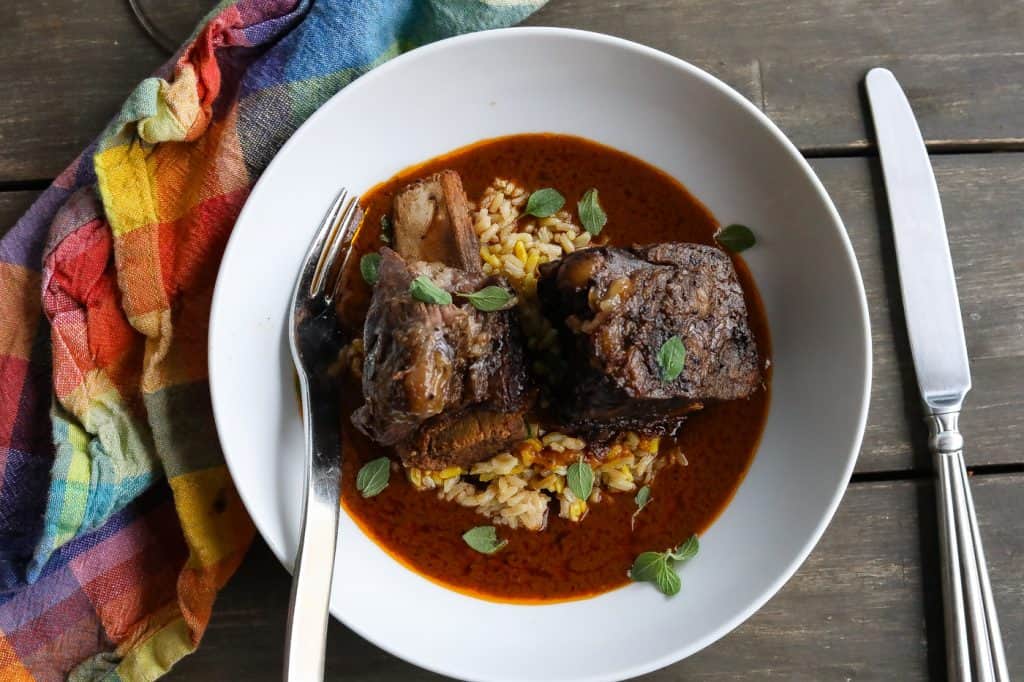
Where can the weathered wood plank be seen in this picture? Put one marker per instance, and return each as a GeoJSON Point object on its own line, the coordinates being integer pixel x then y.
{"type": "Point", "coordinates": [855, 610]}
{"type": "Point", "coordinates": [67, 64]}
{"type": "Point", "coordinates": [802, 61]}
{"type": "Point", "coordinates": [12, 205]}
{"type": "Point", "coordinates": [980, 195]}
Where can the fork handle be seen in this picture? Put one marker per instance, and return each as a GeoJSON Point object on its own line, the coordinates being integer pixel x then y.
{"type": "Point", "coordinates": [974, 644]}
{"type": "Point", "coordinates": [308, 610]}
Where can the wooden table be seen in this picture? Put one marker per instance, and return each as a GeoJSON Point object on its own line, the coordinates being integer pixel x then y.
{"type": "Point", "coordinates": [866, 604]}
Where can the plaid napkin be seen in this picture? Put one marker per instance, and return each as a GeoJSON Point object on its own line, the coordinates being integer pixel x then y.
{"type": "Point", "coordinates": [118, 520]}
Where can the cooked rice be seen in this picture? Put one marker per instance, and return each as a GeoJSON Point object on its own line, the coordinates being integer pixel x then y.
{"type": "Point", "coordinates": [516, 488]}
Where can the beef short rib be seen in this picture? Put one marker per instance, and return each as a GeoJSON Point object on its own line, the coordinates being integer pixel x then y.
{"type": "Point", "coordinates": [432, 223]}
{"type": "Point", "coordinates": [614, 308]}
{"type": "Point", "coordinates": [445, 384]}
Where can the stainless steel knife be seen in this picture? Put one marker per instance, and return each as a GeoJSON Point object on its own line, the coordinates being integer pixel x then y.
{"type": "Point", "coordinates": [973, 643]}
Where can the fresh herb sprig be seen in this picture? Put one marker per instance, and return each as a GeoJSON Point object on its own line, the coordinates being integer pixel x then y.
{"type": "Point", "coordinates": [369, 267]}
{"type": "Point", "coordinates": [373, 477]}
{"type": "Point", "coordinates": [544, 202]}
{"type": "Point", "coordinates": [659, 568]}
{"type": "Point", "coordinates": [484, 539]}
{"type": "Point", "coordinates": [643, 497]}
{"type": "Point", "coordinates": [735, 238]}
{"type": "Point", "coordinates": [423, 289]}
{"type": "Point", "coordinates": [580, 479]}
{"type": "Point", "coordinates": [672, 359]}
{"type": "Point", "coordinates": [490, 299]}
{"type": "Point", "coordinates": [591, 214]}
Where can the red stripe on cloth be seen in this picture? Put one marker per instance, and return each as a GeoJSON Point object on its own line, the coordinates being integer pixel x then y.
{"type": "Point", "coordinates": [13, 372]}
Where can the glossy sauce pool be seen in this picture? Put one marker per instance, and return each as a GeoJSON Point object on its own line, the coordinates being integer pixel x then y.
{"type": "Point", "coordinates": [567, 560]}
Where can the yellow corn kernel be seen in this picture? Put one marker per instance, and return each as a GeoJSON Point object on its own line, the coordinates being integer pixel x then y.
{"type": "Point", "coordinates": [626, 472]}
{"type": "Point", "coordinates": [531, 261]}
{"type": "Point", "coordinates": [520, 251]}
{"type": "Point", "coordinates": [651, 445]}
{"type": "Point", "coordinates": [577, 509]}
{"type": "Point", "coordinates": [416, 477]}
{"type": "Point", "coordinates": [490, 257]}
{"type": "Point", "coordinates": [535, 444]}
{"type": "Point", "coordinates": [450, 472]}
{"type": "Point", "coordinates": [527, 455]}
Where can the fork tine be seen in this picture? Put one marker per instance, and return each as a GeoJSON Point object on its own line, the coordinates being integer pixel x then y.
{"type": "Point", "coordinates": [346, 236]}
{"type": "Point", "coordinates": [329, 254]}
{"type": "Point", "coordinates": [316, 246]}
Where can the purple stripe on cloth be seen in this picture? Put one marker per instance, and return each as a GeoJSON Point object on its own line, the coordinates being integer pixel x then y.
{"type": "Point", "coordinates": [50, 620]}
{"type": "Point", "coordinates": [31, 429]}
{"type": "Point", "coordinates": [283, 15]}
{"type": "Point", "coordinates": [23, 245]}
{"type": "Point", "coordinates": [27, 605]}
{"type": "Point", "coordinates": [79, 640]}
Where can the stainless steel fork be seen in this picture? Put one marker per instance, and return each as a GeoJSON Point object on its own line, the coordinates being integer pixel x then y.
{"type": "Point", "coordinates": [314, 339]}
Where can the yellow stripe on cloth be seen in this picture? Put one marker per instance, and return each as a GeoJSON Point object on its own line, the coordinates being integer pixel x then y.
{"type": "Point", "coordinates": [212, 517]}
{"type": "Point", "coordinates": [152, 658]}
{"type": "Point", "coordinates": [125, 184]}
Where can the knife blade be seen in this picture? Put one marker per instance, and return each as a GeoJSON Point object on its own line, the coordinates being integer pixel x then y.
{"type": "Point", "coordinates": [932, 307]}
{"type": "Point", "coordinates": [974, 646]}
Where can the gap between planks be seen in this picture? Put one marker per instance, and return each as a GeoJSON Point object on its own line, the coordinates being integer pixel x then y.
{"type": "Point", "coordinates": [852, 151]}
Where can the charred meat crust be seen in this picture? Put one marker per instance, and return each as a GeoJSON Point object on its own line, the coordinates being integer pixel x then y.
{"type": "Point", "coordinates": [428, 368]}
{"type": "Point", "coordinates": [432, 223]}
{"type": "Point", "coordinates": [614, 308]}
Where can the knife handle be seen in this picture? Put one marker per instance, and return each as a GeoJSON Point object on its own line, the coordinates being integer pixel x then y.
{"type": "Point", "coordinates": [973, 641]}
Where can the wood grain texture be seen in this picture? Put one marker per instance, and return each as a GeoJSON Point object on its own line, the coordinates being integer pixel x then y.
{"type": "Point", "coordinates": [981, 195]}
{"type": "Point", "coordinates": [855, 610]}
{"type": "Point", "coordinates": [802, 61]}
{"type": "Point", "coordinates": [67, 65]}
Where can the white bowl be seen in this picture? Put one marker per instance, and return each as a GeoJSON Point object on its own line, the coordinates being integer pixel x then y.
{"type": "Point", "coordinates": [730, 156]}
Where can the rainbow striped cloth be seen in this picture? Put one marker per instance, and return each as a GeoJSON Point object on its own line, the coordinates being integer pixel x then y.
{"type": "Point", "coordinates": [118, 519]}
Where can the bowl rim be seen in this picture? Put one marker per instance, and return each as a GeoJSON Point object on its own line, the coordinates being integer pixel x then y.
{"type": "Point", "coordinates": [690, 70]}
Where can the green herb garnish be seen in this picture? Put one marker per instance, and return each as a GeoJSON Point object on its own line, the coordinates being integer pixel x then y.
{"type": "Point", "coordinates": [660, 567]}
{"type": "Point", "coordinates": [672, 359]}
{"type": "Point", "coordinates": [580, 479]}
{"type": "Point", "coordinates": [592, 215]}
{"type": "Point", "coordinates": [385, 229]}
{"type": "Point", "coordinates": [423, 289]}
{"type": "Point", "coordinates": [484, 539]}
{"type": "Point", "coordinates": [643, 496]}
{"type": "Point", "coordinates": [544, 202]}
{"type": "Point", "coordinates": [373, 477]}
{"type": "Point", "coordinates": [369, 267]}
{"type": "Point", "coordinates": [687, 550]}
{"type": "Point", "coordinates": [735, 238]}
{"type": "Point", "coordinates": [490, 299]}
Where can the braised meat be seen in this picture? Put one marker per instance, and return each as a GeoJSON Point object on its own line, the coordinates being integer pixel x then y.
{"type": "Point", "coordinates": [445, 384]}
{"type": "Point", "coordinates": [615, 308]}
{"type": "Point", "coordinates": [432, 223]}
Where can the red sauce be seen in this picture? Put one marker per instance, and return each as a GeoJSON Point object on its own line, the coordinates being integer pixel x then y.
{"type": "Point", "coordinates": [567, 560]}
